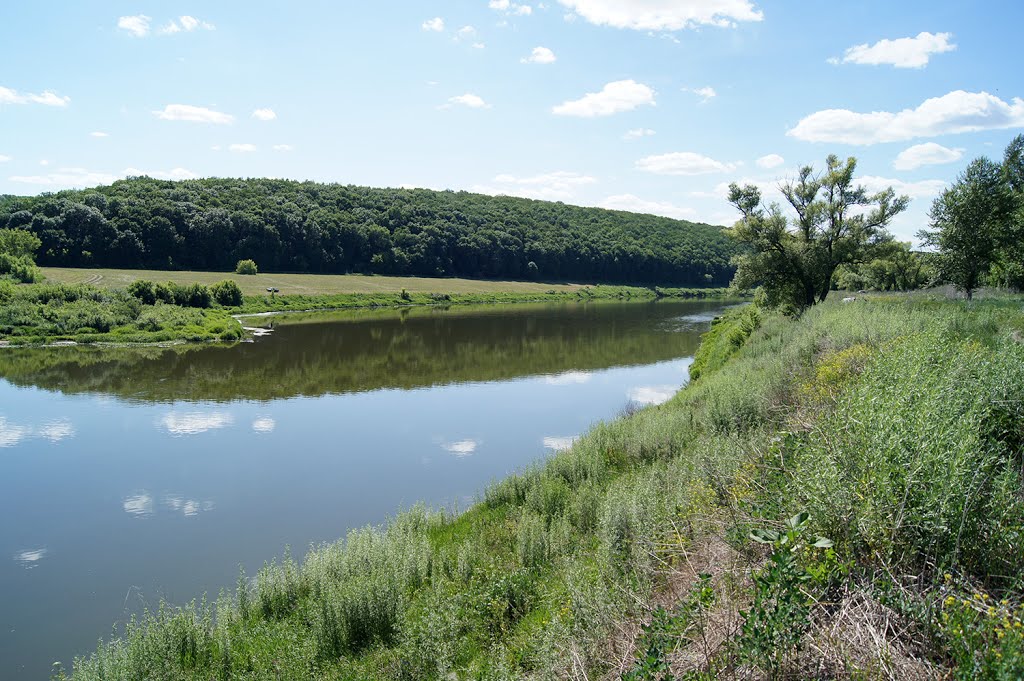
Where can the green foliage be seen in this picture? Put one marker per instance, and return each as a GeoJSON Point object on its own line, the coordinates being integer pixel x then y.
{"type": "Point", "coordinates": [246, 266]}
{"type": "Point", "coordinates": [17, 255]}
{"type": "Point", "coordinates": [983, 636]}
{"type": "Point", "coordinates": [728, 333]}
{"type": "Point", "coordinates": [795, 263]}
{"type": "Point", "coordinates": [211, 224]}
{"type": "Point", "coordinates": [227, 293]}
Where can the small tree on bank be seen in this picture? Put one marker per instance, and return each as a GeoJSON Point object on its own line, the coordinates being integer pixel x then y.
{"type": "Point", "coordinates": [836, 222]}
{"type": "Point", "coordinates": [246, 267]}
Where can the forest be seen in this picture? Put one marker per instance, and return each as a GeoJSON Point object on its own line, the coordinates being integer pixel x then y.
{"type": "Point", "coordinates": [288, 226]}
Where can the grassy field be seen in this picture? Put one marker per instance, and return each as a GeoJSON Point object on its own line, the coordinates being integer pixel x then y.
{"type": "Point", "coordinates": [836, 496]}
{"type": "Point", "coordinates": [301, 284]}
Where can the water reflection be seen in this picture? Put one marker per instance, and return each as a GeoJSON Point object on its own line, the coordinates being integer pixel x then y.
{"type": "Point", "coordinates": [187, 507]}
{"type": "Point", "coordinates": [31, 558]}
{"type": "Point", "coordinates": [138, 504]}
{"type": "Point", "coordinates": [11, 433]}
{"type": "Point", "coordinates": [55, 431]}
{"type": "Point", "coordinates": [652, 394]}
{"type": "Point", "coordinates": [461, 447]}
{"type": "Point", "coordinates": [559, 443]}
{"type": "Point", "coordinates": [264, 424]}
{"type": "Point", "coordinates": [195, 422]}
{"type": "Point", "coordinates": [568, 378]}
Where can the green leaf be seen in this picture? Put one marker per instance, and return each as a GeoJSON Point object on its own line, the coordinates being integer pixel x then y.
{"type": "Point", "coordinates": [764, 536]}
{"type": "Point", "coordinates": [799, 520]}
{"type": "Point", "coordinates": [823, 543]}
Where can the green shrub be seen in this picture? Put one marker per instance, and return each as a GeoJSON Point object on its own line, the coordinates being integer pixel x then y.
{"type": "Point", "coordinates": [246, 267]}
{"type": "Point", "coordinates": [144, 291]}
{"type": "Point", "coordinates": [227, 293]}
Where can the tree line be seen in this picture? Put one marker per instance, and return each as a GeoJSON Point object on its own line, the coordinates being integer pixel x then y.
{"type": "Point", "coordinates": [211, 224]}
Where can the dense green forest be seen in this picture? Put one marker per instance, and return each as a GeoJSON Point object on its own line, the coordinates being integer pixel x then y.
{"type": "Point", "coordinates": [283, 225]}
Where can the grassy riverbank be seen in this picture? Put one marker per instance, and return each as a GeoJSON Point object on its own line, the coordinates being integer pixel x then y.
{"type": "Point", "coordinates": [893, 424]}
{"type": "Point", "coordinates": [98, 306]}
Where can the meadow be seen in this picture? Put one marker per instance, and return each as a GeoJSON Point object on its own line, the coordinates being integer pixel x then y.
{"type": "Point", "coordinates": [833, 496]}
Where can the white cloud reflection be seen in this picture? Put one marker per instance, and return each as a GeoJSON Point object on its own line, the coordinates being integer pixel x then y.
{"type": "Point", "coordinates": [461, 447]}
{"type": "Point", "coordinates": [569, 378]}
{"type": "Point", "coordinates": [195, 422]}
{"type": "Point", "coordinates": [138, 504]}
{"type": "Point", "coordinates": [30, 558]}
{"type": "Point", "coordinates": [143, 505]}
{"type": "Point", "coordinates": [55, 431]}
{"type": "Point", "coordinates": [187, 507]}
{"type": "Point", "coordinates": [560, 443]}
{"type": "Point", "coordinates": [264, 424]}
{"type": "Point", "coordinates": [11, 433]}
{"type": "Point", "coordinates": [652, 394]}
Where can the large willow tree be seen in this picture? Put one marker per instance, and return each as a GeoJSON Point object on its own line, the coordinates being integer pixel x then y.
{"type": "Point", "coordinates": [833, 222]}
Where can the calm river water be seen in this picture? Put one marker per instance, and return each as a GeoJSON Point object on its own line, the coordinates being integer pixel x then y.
{"type": "Point", "coordinates": [131, 475]}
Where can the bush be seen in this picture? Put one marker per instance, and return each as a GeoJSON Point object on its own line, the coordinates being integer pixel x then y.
{"type": "Point", "coordinates": [20, 268]}
{"type": "Point", "coordinates": [144, 291]}
{"type": "Point", "coordinates": [246, 267]}
{"type": "Point", "coordinates": [227, 293]}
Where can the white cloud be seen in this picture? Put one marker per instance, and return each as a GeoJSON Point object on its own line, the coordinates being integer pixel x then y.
{"type": "Point", "coordinates": [264, 424]}
{"type": "Point", "coordinates": [242, 148]}
{"type": "Point", "coordinates": [46, 98]}
{"type": "Point", "coordinates": [926, 154]}
{"type": "Point", "coordinates": [569, 378]}
{"type": "Point", "coordinates": [461, 448]}
{"type": "Point", "coordinates": [193, 423]}
{"type": "Point", "coordinates": [138, 504]}
{"type": "Point", "coordinates": [264, 114]}
{"type": "Point", "coordinates": [173, 174]}
{"type": "Point", "coordinates": [706, 93]}
{"type": "Point", "coordinates": [559, 444]}
{"type": "Point", "coordinates": [435, 24]}
{"type": "Point", "coordinates": [556, 186]}
{"type": "Point", "coordinates": [903, 53]}
{"type": "Point", "coordinates": [652, 394]}
{"type": "Point", "coordinates": [283, 147]}
{"type": "Point", "coordinates": [664, 15]}
{"type": "Point", "coordinates": [465, 33]}
{"type": "Point", "coordinates": [615, 97]}
{"type": "Point", "coordinates": [99, 134]}
{"type": "Point", "coordinates": [915, 190]}
{"type": "Point", "coordinates": [188, 24]}
{"type": "Point", "coordinates": [770, 161]}
{"type": "Point", "coordinates": [137, 25]}
{"type": "Point", "coordinates": [44, 162]}
{"type": "Point", "coordinates": [953, 113]}
{"type": "Point", "coordinates": [634, 204]}
{"type": "Point", "coordinates": [683, 163]}
{"type": "Point", "coordinates": [468, 99]}
{"type": "Point", "coordinates": [637, 133]}
{"type": "Point", "coordinates": [540, 55]}
{"type": "Point", "coordinates": [67, 177]}
{"type": "Point", "coordinates": [194, 114]}
{"type": "Point", "coordinates": [508, 7]}
{"type": "Point", "coordinates": [5, 159]}
{"type": "Point", "coordinates": [478, 46]}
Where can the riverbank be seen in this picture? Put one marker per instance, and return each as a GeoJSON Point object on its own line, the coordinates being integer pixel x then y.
{"type": "Point", "coordinates": [888, 433]}
{"type": "Point", "coordinates": [119, 307]}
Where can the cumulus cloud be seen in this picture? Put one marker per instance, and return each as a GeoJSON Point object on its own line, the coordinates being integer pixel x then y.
{"type": "Point", "coordinates": [194, 114]}
{"type": "Point", "coordinates": [99, 134]}
{"type": "Point", "coordinates": [683, 163]}
{"type": "Point", "coordinates": [953, 113]}
{"type": "Point", "coordinates": [172, 174]}
{"type": "Point", "coordinates": [461, 448]}
{"type": "Point", "coordinates": [187, 24]}
{"type": "Point", "coordinates": [67, 177]}
{"type": "Point", "coordinates": [634, 204]}
{"type": "Point", "coordinates": [706, 93]}
{"type": "Point", "coordinates": [264, 114]}
{"type": "Point", "coordinates": [915, 190]}
{"type": "Point", "coordinates": [512, 8]}
{"type": "Point", "coordinates": [637, 133]}
{"type": "Point", "coordinates": [242, 148]}
{"type": "Point", "coordinates": [615, 97]}
{"type": "Point", "coordinates": [664, 15]}
{"type": "Point", "coordinates": [193, 423]}
{"type": "Point", "coordinates": [46, 98]}
{"type": "Point", "coordinates": [652, 394]}
{"type": "Point", "coordinates": [469, 100]}
{"type": "Point", "coordinates": [5, 159]}
{"type": "Point", "coordinates": [283, 147]}
{"type": "Point", "coordinates": [770, 161]}
{"type": "Point", "coordinates": [926, 154]}
{"type": "Point", "coordinates": [556, 186]}
{"type": "Point", "coordinates": [137, 25]}
{"type": "Point", "coordinates": [436, 24]}
{"type": "Point", "coordinates": [540, 55]}
{"type": "Point", "coordinates": [903, 53]}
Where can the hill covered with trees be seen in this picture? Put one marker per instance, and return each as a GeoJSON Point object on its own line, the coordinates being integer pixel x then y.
{"type": "Point", "coordinates": [284, 225]}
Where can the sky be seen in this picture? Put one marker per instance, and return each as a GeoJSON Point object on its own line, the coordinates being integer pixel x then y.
{"type": "Point", "coordinates": [651, 106]}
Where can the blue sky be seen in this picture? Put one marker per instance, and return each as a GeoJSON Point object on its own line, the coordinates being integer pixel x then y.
{"type": "Point", "coordinates": [647, 105]}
